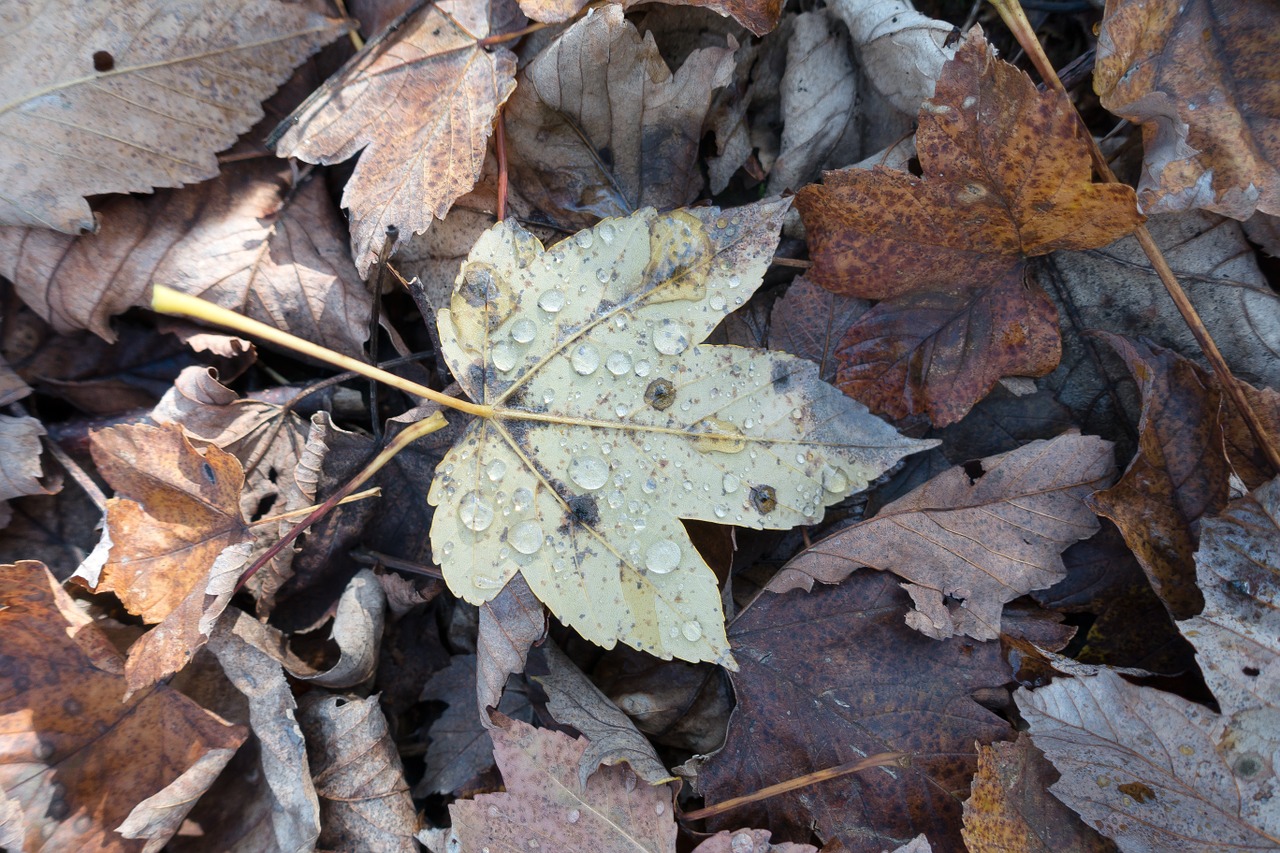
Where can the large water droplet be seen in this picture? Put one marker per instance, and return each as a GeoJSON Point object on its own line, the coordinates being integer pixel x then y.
{"type": "Point", "coordinates": [583, 239]}
{"type": "Point", "coordinates": [526, 537]}
{"type": "Point", "coordinates": [497, 470]}
{"type": "Point", "coordinates": [602, 275]}
{"type": "Point", "coordinates": [615, 499]}
{"type": "Point", "coordinates": [475, 512]}
{"type": "Point", "coordinates": [524, 330]}
{"type": "Point", "coordinates": [521, 499]}
{"type": "Point", "coordinates": [643, 368]}
{"type": "Point", "coordinates": [485, 582]}
{"type": "Point", "coordinates": [721, 510]}
{"type": "Point", "coordinates": [716, 302]}
{"type": "Point", "coordinates": [573, 815]}
{"type": "Point", "coordinates": [589, 472]}
{"type": "Point", "coordinates": [618, 363]}
{"type": "Point", "coordinates": [834, 480]}
{"type": "Point", "coordinates": [671, 338]}
{"type": "Point", "coordinates": [585, 359]}
{"type": "Point", "coordinates": [551, 301]}
{"type": "Point", "coordinates": [605, 230]}
{"type": "Point", "coordinates": [649, 486]}
{"type": "Point", "coordinates": [662, 557]}
{"type": "Point", "coordinates": [692, 631]}
{"type": "Point", "coordinates": [730, 484]}
{"type": "Point", "coordinates": [504, 355]}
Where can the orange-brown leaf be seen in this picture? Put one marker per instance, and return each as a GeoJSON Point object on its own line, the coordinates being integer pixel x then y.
{"type": "Point", "coordinates": [77, 757]}
{"type": "Point", "coordinates": [1200, 76]}
{"type": "Point", "coordinates": [1006, 176]}
{"type": "Point", "coordinates": [421, 103]}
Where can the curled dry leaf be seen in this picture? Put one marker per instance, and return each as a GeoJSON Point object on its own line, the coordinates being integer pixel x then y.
{"type": "Point", "coordinates": [1188, 73]}
{"type": "Point", "coordinates": [420, 101]}
{"type": "Point", "coordinates": [124, 97]}
{"type": "Point", "coordinates": [364, 804]}
{"type": "Point", "coordinates": [901, 50]}
{"type": "Point", "coordinates": [546, 807]}
{"type": "Point", "coordinates": [814, 693]}
{"type": "Point", "coordinates": [599, 126]}
{"type": "Point", "coordinates": [71, 745]}
{"type": "Point", "coordinates": [357, 631]}
{"type": "Point", "coordinates": [982, 533]}
{"type": "Point", "coordinates": [610, 423]}
{"type": "Point", "coordinates": [1006, 176]}
{"type": "Point", "coordinates": [20, 451]}
{"type": "Point", "coordinates": [246, 241]}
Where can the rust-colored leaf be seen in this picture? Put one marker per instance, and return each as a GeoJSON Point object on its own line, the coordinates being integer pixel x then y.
{"type": "Point", "coordinates": [809, 322]}
{"type": "Point", "coordinates": [1199, 77]}
{"type": "Point", "coordinates": [981, 534]}
{"type": "Point", "coordinates": [1006, 176]}
{"type": "Point", "coordinates": [77, 757]}
{"type": "Point", "coordinates": [814, 692]}
{"type": "Point", "coordinates": [1179, 476]}
{"type": "Point", "coordinates": [420, 101]}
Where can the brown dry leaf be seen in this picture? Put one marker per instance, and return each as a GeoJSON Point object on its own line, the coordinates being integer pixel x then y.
{"type": "Point", "coordinates": [247, 241]}
{"type": "Point", "coordinates": [599, 126]}
{"type": "Point", "coordinates": [1012, 811]}
{"type": "Point", "coordinates": [71, 745]}
{"type": "Point", "coordinates": [20, 451]}
{"type": "Point", "coordinates": [759, 16]}
{"type": "Point", "coordinates": [546, 807]}
{"type": "Point", "coordinates": [357, 632]}
{"type": "Point", "coordinates": [983, 534]}
{"type": "Point", "coordinates": [124, 97]}
{"type": "Point", "coordinates": [510, 623]}
{"type": "Point", "coordinates": [420, 101]}
{"type": "Point", "coordinates": [364, 801]}
{"type": "Point", "coordinates": [1006, 177]}
{"type": "Point", "coordinates": [809, 321]}
{"type": "Point", "coordinates": [177, 540]}
{"type": "Point", "coordinates": [1179, 476]}
{"type": "Point", "coordinates": [1198, 76]}
{"type": "Point", "coordinates": [814, 692]}
{"type": "Point", "coordinates": [749, 841]}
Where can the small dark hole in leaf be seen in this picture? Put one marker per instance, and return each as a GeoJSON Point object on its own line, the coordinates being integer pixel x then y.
{"type": "Point", "coordinates": [975, 470]}
{"type": "Point", "coordinates": [264, 507]}
{"type": "Point", "coordinates": [764, 499]}
{"type": "Point", "coordinates": [273, 475]}
{"type": "Point", "coordinates": [660, 394]}
{"type": "Point", "coordinates": [103, 61]}
{"type": "Point", "coordinates": [1252, 671]}
{"type": "Point", "coordinates": [339, 702]}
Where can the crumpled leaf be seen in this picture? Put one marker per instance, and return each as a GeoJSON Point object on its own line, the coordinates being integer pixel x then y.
{"type": "Point", "coordinates": [510, 622]}
{"type": "Point", "coordinates": [814, 692]}
{"type": "Point", "coordinates": [364, 802]}
{"type": "Point", "coordinates": [71, 743]}
{"type": "Point", "coordinates": [1156, 772]}
{"type": "Point", "coordinates": [420, 101]}
{"type": "Point", "coordinates": [901, 50]}
{"type": "Point", "coordinates": [124, 97]}
{"type": "Point", "coordinates": [1179, 475]}
{"type": "Point", "coordinates": [546, 807]}
{"type": "Point", "coordinates": [246, 241]}
{"type": "Point", "coordinates": [1011, 808]}
{"type": "Point", "coordinates": [1007, 176]}
{"type": "Point", "coordinates": [357, 631]}
{"type": "Point", "coordinates": [599, 126]}
{"type": "Point", "coordinates": [178, 541]}
{"type": "Point", "coordinates": [610, 423]}
{"type": "Point", "coordinates": [982, 533]}
{"type": "Point", "coordinates": [1188, 73]}
{"type": "Point", "coordinates": [20, 451]}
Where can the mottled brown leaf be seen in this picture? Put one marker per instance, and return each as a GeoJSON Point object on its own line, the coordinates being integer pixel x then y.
{"type": "Point", "coordinates": [420, 102]}
{"type": "Point", "coordinates": [981, 534]}
{"type": "Point", "coordinates": [809, 321]}
{"type": "Point", "coordinates": [127, 96]}
{"type": "Point", "coordinates": [814, 691]}
{"type": "Point", "coordinates": [77, 757]}
{"type": "Point", "coordinates": [1006, 176]}
{"type": "Point", "coordinates": [510, 623]}
{"type": "Point", "coordinates": [1200, 78]}
{"type": "Point", "coordinates": [1179, 476]}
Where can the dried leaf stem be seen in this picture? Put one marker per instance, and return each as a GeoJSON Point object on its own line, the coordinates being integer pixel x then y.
{"type": "Point", "coordinates": [1016, 20]}
{"type": "Point", "coordinates": [166, 300]}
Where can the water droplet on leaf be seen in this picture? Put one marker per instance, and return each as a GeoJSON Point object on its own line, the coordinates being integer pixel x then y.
{"type": "Point", "coordinates": [618, 363]}
{"type": "Point", "coordinates": [526, 537]}
{"type": "Point", "coordinates": [475, 512]}
{"type": "Point", "coordinates": [552, 301]}
{"type": "Point", "coordinates": [692, 631]}
{"type": "Point", "coordinates": [504, 355]}
{"type": "Point", "coordinates": [671, 338]}
{"type": "Point", "coordinates": [585, 359]}
{"type": "Point", "coordinates": [662, 557]}
{"type": "Point", "coordinates": [524, 330]}
{"type": "Point", "coordinates": [589, 472]}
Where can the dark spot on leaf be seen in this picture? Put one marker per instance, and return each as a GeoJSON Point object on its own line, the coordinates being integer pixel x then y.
{"type": "Point", "coordinates": [764, 499]}
{"type": "Point", "coordinates": [207, 470]}
{"type": "Point", "coordinates": [583, 508]}
{"type": "Point", "coordinates": [1139, 792]}
{"type": "Point", "coordinates": [103, 61]}
{"type": "Point", "coordinates": [780, 376]}
{"type": "Point", "coordinates": [1252, 671]}
{"type": "Point", "coordinates": [974, 470]}
{"type": "Point", "coordinates": [952, 37]}
{"type": "Point", "coordinates": [606, 156]}
{"type": "Point", "coordinates": [660, 394]}
{"type": "Point", "coordinates": [1247, 765]}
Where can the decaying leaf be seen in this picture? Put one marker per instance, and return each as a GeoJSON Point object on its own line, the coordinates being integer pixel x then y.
{"type": "Point", "coordinates": [420, 102]}
{"type": "Point", "coordinates": [980, 534]}
{"type": "Point", "coordinates": [1188, 72]}
{"type": "Point", "coordinates": [510, 622]}
{"type": "Point", "coordinates": [545, 807]}
{"type": "Point", "coordinates": [599, 125]}
{"type": "Point", "coordinates": [19, 460]}
{"type": "Point", "coordinates": [71, 744]}
{"type": "Point", "coordinates": [814, 692]}
{"type": "Point", "coordinates": [1006, 177]}
{"type": "Point", "coordinates": [902, 50]}
{"type": "Point", "coordinates": [610, 423]}
{"type": "Point", "coordinates": [750, 841]}
{"type": "Point", "coordinates": [124, 97]}
{"type": "Point", "coordinates": [809, 321]}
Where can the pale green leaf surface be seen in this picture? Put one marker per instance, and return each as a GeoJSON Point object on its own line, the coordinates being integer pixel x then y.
{"type": "Point", "coordinates": [611, 423]}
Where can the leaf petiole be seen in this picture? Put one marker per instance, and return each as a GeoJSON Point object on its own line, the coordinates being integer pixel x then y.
{"type": "Point", "coordinates": [166, 300]}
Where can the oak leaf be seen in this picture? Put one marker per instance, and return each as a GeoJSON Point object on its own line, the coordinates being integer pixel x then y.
{"type": "Point", "coordinates": [124, 97]}
{"type": "Point", "coordinates": [982, 533]}
{"type": "Point", "coordinates": [1188, 73]}
{"type": "Point", "coordinates": [1006, 176]}
{"type": "Point", "coordinates": [420, 101]}
{"type": "Point", "coordinates": [71, 743]}
{"type": "Point", "coordinates": [610, 423]}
